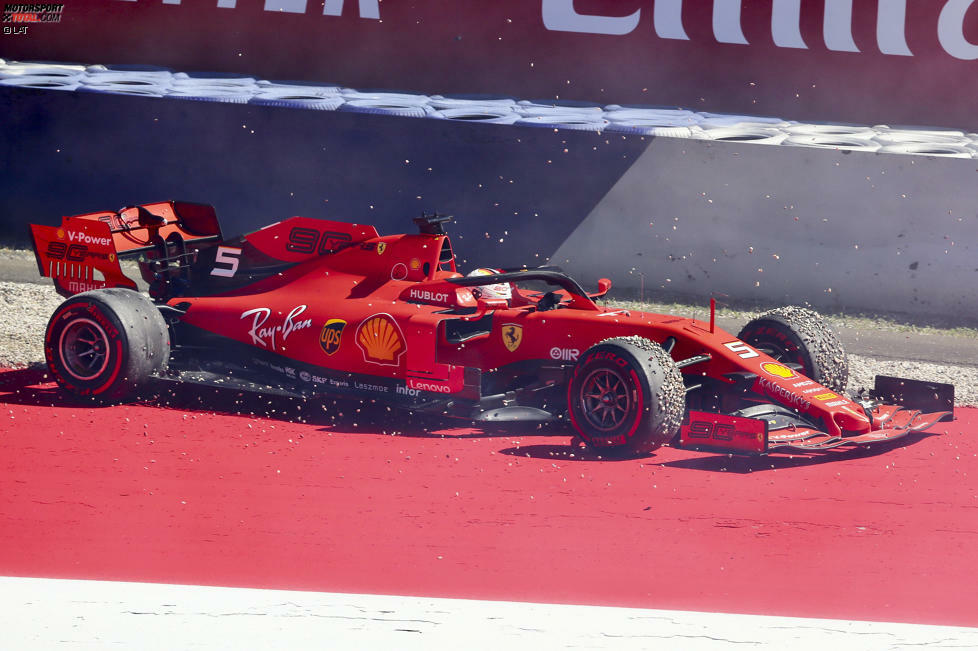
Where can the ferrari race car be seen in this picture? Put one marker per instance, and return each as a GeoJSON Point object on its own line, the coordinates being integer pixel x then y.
{"type": "Point", "coordinates": [310, 308]}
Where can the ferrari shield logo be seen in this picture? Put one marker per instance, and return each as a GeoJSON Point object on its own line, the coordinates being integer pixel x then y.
{"type": "Point", "coordinates": [381, 247]}
{"type": "Point", "coordinates": [512, 336]}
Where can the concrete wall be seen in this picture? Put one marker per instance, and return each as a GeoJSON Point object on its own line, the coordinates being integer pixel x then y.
{"type": "Point", "coordinates": [854, 230]}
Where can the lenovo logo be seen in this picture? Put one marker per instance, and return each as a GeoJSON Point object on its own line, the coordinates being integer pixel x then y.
{"type": "Point", "coordinates": [891, 18]}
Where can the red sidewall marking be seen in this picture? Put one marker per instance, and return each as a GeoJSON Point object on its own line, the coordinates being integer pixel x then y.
{"type": "Point", "coordinates": [115, 371]}
{"type": "Point", "coordinates": [639, 394]}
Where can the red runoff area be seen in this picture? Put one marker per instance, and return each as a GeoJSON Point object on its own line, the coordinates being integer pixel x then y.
{"type": "Point", "coordinates": [191, 488]}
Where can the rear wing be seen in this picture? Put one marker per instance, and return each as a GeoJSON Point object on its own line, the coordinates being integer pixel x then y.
{"type": "Point", "coordinates": [83, 253]}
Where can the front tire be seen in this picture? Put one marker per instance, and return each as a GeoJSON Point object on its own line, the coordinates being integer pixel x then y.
{"type": "Point", "coordinates": [106, 343]}
{"type": "Point", "coordinates": [626, 396]}
{"type": "Point", "coordinates": [800, 336]}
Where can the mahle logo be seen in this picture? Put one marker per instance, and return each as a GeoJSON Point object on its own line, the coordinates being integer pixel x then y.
{"type": "Point", "coordinates": [329, 338]}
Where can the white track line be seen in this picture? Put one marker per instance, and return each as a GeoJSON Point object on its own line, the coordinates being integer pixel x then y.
{"type": "Point", "coordinates": [61, 614]}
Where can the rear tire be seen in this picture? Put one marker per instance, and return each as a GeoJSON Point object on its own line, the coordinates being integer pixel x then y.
{"type": "Point", "coordinates": [800, 336]}
{"type": "Point", "coordinates": [626, 396]}
{"type": "Point", "coordinates": [106, 343]}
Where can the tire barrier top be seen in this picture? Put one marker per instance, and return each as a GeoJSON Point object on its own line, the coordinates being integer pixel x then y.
{"type": "Point", "coordinates": [150, 81]}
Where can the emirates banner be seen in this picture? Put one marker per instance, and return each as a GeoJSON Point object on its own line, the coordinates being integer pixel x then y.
{"type": "Point", "coordinates": [867, 61]}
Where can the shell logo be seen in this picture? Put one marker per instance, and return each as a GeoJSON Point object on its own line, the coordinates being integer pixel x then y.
{"type": "Point", "coordinates": [60, 233]}
{"type": "Point", "coordinates": [381, 340]}
{"type": "Point", "coordinates": [415, 264]}
{"type": "Point", "coordinates": [778, 370]}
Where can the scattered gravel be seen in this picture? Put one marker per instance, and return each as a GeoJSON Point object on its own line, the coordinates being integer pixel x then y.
{"type": "Point", "coordinates": [24, 312]}
{"type": "Point", "coordinates": [25, 309]}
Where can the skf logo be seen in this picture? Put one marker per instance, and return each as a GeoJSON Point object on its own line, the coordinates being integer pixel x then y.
{"type": "Point", "coordinates": [329, 338]}
{"type": "Point", "coordinates": [381, 340]}
{"type": "Point", "coordinates": [778, 370]}
{"type": "Point", "coordinates": [512, 336]}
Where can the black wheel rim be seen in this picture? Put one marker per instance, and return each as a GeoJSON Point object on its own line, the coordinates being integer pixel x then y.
{"type": "Point", "coordinates": [84, 349]}
{"type": "Point", "coordinates": [605, 399]}
{"type": "Point", "coordinates": [778, 351]}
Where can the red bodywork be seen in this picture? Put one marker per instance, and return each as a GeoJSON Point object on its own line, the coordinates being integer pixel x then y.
{"type": "Point", "coordinates": [341, 299]}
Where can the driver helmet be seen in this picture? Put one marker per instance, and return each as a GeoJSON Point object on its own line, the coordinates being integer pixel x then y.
{"type": "Point", "coordinates": [495, 290]}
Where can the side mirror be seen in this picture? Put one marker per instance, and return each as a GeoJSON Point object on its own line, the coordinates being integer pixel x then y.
{"type": "Point", "coordinates": [484, 305]}
{"type": "Point", "coordinates": [604, 284]}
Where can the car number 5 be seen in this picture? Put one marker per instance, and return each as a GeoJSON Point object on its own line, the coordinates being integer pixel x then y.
{"type": "Point", "coordinates": [226, 255]}
{"type": "Point", "coordinates": [743, 350]}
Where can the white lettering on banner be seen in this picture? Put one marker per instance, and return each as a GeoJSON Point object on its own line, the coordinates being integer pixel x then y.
{"type": "Point", "coordinates": [891, 24]}
{"type": "Point", "coordinates": [786, 24]}
{"type": "Point", "coordinates": [266, 337]}
{"type": "Point", "coordinates": [837, 26]}
{"type": "Point", "coordinates": [891, 28]}
{"type": "Point", "coordinates": [950, 30]}
{"type": "Point", "coordinates": [560, 16]}
{"type": "Point", "coordinates": [726, 22]}
{"type": "Point", "coordinates": [368, 8]}
{"type": "Point", "coordinates": [667, 19]}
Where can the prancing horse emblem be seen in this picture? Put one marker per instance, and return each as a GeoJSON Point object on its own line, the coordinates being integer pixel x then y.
{"type": "Point", "coordinates": [512, 336]}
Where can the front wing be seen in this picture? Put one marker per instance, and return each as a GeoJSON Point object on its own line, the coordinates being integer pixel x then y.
{"type": "Point", "coordinates": [739, 435]}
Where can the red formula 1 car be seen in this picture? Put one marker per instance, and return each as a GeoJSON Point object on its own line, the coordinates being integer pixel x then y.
{"type": "Point", "coordinates": [307, 307]}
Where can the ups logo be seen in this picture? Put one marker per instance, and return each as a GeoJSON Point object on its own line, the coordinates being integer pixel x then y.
{"type": "Point", "coordinates": [329, 338]}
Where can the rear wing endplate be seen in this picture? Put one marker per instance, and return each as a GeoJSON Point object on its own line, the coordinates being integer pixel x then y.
{"type": "Point", "coordinates": [83, 253]}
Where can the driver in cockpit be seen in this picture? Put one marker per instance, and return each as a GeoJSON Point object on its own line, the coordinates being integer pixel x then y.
{"type": "Point", "coordinates": [495, 290]}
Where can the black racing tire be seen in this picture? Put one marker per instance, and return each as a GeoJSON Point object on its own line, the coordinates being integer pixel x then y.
{"type": "Point", "coordinates": [626, 396]}
{"type": "Point", "coordinates": [105, 344]}
{"type": "Point", "coordinates": [801, 336]}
